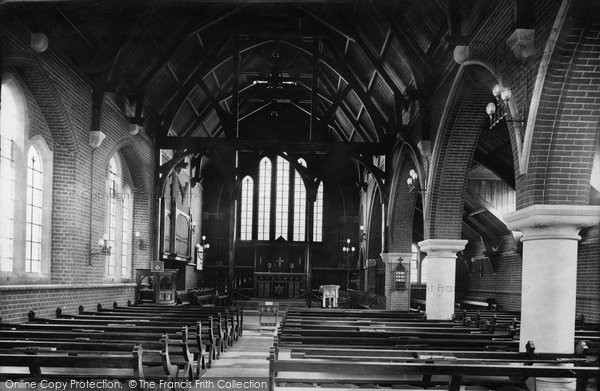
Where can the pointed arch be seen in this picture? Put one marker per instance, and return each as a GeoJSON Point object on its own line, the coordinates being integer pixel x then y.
{"type": "Point", "coordinates": [264, 199]}
{"type": "Point", "coordinates": [247, 208]}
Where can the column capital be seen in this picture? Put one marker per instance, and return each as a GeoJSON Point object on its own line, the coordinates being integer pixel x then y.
{"type": "Point", "coordinates": [395, 257]}
{"type": "Point", "coordinates": [539, 222]}
{"type": "Point", "coordinates": [443, 248]}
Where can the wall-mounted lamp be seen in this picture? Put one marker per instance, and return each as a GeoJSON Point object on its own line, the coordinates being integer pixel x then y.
{"type": "Point", "coordinates": [413, 181]}
{"type": "Point", "coordinates": [205, 245]}
{"type": "Point", "coordinates": [140, 241]}
{"type": "Point", "coordinates": [499, 110]}
{"type": "Point", "coordinates": [103, 248]}
{"type": "Point", "coordinates": [363, 234]}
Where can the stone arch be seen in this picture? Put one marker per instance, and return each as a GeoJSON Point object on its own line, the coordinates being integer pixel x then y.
{"type": "Point", "coordinates": [453, 151]}
{"type": "Point", "coordinates": [46, 96]}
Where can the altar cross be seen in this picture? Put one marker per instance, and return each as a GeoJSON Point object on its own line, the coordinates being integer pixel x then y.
{"type": "Point", "coordinates": [279, 261]}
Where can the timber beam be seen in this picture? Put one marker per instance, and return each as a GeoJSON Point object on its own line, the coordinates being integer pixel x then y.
{"type": "Point", "coordinates": [209, 143]}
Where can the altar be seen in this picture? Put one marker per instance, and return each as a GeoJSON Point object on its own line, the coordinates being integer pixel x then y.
{"type": "Point", "coordinates": [278, 285]}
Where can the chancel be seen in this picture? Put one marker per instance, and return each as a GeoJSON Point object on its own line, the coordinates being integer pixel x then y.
{"type": "Point", "coordinates": [414, 186]}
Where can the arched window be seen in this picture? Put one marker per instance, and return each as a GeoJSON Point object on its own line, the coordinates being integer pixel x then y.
{"type": "Point", "coordinates": [281, 191]}
{"type": "Point", "coordinates": [318, 216]}
{"type": "Point", "coordinates": [118, 221]}
{"type": "Point", "coordinates": [10, 123]}
{"type": "Point", "coordinates": [25, 215]}
{"type": "Point", "coordinates": [282, 198]}
{"type": "Point", "coordinates": [414, 264]}
{"type": "Point", "coordinates": [126, 234]}
{"type": "Point", "coordinates": [246, 209]}
{"type": "Point", "coordinates": [264, 199]}
{"type": "Point", "coordinates": [299, 206]}
{"type": "Point", "coordinates": [424, 263]}
{"type": "Point", "coordinates": [33, 222]}
{"type": "Point", "coordinates": [111, 221]}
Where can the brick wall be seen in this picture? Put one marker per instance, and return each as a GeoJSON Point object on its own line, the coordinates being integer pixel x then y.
{"type": "Point", "coordinates": [505, 285]}
{"type": "Point", "coordinates": [59, 108]}
{"type": "Point", "coordinates": [17, 301]}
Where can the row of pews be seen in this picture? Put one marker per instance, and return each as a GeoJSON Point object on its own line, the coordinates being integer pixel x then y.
{"type": "Point", "coordinates": [380, 349]}
{"type": "Point", "coordinates": [164, 343]}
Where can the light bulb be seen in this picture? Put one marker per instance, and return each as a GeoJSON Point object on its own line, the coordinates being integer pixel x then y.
{"type": "Point", "coordinates": [203, 237]}
{"type": "Point", "coordinates": [413, 174]}
{"type": "Point", "coordinates": [490, 109]}
{"type": "Point", "coordinates": [105, 236]}
{"type": "Point", "coordinates": [353, 249]}
{"type": "Point", "coordinates": [409, 181]}
{"type": "Point", "coordinates": [348, 241]}
{"type": "Point", "coordinates": [506, 94]}
{"type": "Point", "coordinates": [497, 90]}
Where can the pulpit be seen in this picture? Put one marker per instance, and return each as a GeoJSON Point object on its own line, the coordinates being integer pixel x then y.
{"type": "Point", "coordinates": [330, 292]}
{"type": "Point", "coordinates": [156, 287]}
{"type": "Point", "coordinates": [278, 285]}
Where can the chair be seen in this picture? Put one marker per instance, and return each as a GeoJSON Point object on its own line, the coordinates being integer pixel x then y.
{"type": "Point", "coordinates": [329, 292]}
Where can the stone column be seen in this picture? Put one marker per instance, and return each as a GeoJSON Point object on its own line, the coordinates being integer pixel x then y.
{"type": "Point", "coordinates": [440, 264]}
{"type": "Point", "coordinates": [396, 300]}
{"type": "Point", "coordinates": [549, 280]}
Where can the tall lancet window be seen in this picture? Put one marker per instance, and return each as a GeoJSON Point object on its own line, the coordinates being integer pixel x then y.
{"type": "Point", "coordinates": [264, 199]}
{"type": "Point", "coordinates": [246, 209]}
{"type": "Point", "coordinates": [126, 234]}
{"type": "Point", "coordinates": [318, 216]}
{"type": "Point", "coordinates": [112, 215]}
{"type": "Point", "coordinates": [299, 206]}
{"type": "Point", "coordinates": [11, 123]}
{"type": "Point", "coordinates": [283, 196]}
{"type": "Point", "coordinates": [33, 222]}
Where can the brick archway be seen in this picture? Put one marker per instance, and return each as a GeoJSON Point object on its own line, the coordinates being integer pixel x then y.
{"type": "Point", "coordinates": [402, 202]}
{"type": "Point", "coordinates": [46, 96]}
{"type": "Point", "coordinates": [566, 127]}
{"type": "Point", "coordinates": [453, 152]}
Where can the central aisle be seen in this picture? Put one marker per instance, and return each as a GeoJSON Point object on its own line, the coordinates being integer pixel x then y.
{"type": "Point", "coordinates": [248, 357]}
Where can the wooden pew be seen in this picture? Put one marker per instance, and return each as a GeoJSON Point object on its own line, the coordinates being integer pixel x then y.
{"type": "Point", "coordinates": [204, 349]}
{"type": "Point", "coordinates": [236, 312]}
{"type": "Point", "coordinates": [109, 342]}
{"type": "Point", "coordinates": [50, 365]}
{"type": "Point", "coordinates": [182, 357]}
{"type": "Point", "coordinates": [322, 371]}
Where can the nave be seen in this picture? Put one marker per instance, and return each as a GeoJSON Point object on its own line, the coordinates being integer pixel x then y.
{"type": "Point", "coordinates": [371, 168]}
{"type": "Point", "coordinates": [186, 345]}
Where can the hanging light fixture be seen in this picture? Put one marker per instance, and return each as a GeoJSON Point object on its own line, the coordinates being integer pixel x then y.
{"type": "Point", "coordinates": [499, 110]}
{"type": "Point", "coordinates": [413, 181]}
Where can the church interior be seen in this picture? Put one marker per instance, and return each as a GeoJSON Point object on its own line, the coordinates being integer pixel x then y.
{"type": "Point", "coordinates": [379, 194]}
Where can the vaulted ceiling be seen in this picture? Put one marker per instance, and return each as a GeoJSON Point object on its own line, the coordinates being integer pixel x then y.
{"type": "Point", "coordinates": [256, 69]}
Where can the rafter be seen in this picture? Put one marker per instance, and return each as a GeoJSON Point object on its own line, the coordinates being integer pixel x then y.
{"type": "Point", "coordinates": [337, 100]}
{"type": "Point", "coordinates": [212, 143]}
{"type": "Point", "coordinates": [339, 67]}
